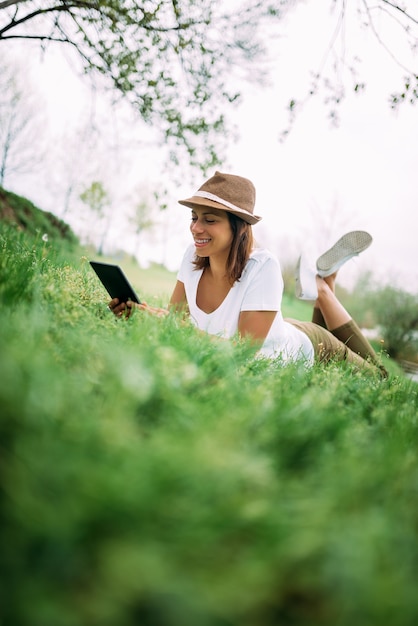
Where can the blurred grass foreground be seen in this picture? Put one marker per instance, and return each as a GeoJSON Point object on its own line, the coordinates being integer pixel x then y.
{"type": "Point", "coordinates": [153, 477]}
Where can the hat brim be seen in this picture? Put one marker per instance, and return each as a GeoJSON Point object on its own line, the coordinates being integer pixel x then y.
{"type": "Point", "coordinates": [205, 202]}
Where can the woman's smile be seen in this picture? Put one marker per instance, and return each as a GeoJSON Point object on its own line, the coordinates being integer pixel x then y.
{"type": "Point", "coordinates": [200, 242]}
{"type": "Point", "coordinates": [211, 227]}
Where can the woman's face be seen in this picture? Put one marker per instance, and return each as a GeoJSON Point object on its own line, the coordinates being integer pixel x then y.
{"type": "Point", "coordinates": [211, 231]}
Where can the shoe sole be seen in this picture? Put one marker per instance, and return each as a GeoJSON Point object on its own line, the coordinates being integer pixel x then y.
{"type": "Point", "coordinates": [346, 248]}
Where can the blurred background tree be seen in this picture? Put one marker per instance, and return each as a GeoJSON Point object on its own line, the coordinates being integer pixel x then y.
{"type": "Point", "coordinates": [98, 201]}
{"type": "Point", "coordinates": [22, 145]}
{"type": "Point", "coordinates": [397, 317]}
{"type": "Point", "coordinates": [391, 311]}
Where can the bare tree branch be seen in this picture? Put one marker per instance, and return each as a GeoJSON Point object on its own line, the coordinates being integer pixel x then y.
{"type": "Point", "coordinates": [9, 3]}
{"type": "Point", "coordinates": [398, 8]}
{"type": "Point", "coordinates": [379, 39]}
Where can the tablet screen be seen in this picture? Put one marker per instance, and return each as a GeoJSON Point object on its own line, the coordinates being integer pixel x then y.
{"type": "Point", "coordinates": [115, 281]}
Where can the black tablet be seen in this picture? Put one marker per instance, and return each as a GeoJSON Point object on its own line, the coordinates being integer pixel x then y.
{"type": "Point", "coordinates": [115, 281]}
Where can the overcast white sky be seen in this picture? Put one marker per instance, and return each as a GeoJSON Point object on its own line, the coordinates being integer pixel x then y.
{"type": "Point", "coordinates": [311, 188]}
{"type": "Point", "coordinates": [365, 171]}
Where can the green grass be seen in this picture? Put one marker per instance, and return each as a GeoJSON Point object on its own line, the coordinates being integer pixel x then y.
{"type": "Point", "coordinates": [151, 476]}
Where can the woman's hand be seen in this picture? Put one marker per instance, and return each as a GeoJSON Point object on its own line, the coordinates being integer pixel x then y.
{"type": "Point", "coordinates": [118, 308]}
{"type": "Point", "coordinates": [126, 309]}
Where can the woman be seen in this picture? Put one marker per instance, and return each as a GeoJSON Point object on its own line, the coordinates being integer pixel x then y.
{"type": "Point", "coordinates": [230, 287]}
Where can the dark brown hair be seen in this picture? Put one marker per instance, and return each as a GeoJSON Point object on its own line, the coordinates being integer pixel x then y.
{"type": "Point", "coordinates": [239, 253]}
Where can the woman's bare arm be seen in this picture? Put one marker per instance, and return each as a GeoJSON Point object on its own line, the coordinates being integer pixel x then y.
{"type": "Point", "coordinates": [255, 325]}
{"type": "Point", "coordinates": [178, 300]}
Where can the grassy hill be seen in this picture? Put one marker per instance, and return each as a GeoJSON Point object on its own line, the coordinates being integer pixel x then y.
{"type": "Point", "coordinates": [151, 476]}
{"type": "Point", "coordinates": [26, 216]}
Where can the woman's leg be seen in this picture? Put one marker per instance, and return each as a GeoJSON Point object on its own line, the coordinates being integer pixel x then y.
{"type": "Point", "coordinates": [317, 317]}
{"type": "Point", "coordinates": [333, 332]}
{"type": "Point", "coordinates": [340, 323]}
{"type": "Point", "coordinates": [333, 312]}
{"type": "Point", "coordinates": [328, 347]}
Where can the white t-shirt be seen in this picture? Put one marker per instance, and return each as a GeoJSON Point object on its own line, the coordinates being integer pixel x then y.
{"type": "Point", "coordinates": [260, 288]}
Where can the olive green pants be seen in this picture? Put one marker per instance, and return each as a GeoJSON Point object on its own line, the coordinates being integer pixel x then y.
{"type": "Point", "coordinates": [345, 343]}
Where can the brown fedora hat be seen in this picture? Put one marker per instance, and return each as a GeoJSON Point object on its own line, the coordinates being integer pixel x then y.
{"type": "Point", "coordinates": [227, 193]}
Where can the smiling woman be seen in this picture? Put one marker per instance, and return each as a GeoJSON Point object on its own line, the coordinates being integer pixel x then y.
{"type": "Point", "coordinates": [231, 288]}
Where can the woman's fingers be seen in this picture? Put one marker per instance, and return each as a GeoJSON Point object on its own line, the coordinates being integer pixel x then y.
{"type": "Point", "coordinates": [117, 308]}
{"type": "Point", "coordinates": [126, 309]}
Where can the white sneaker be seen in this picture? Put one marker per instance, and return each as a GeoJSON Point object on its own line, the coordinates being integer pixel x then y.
{"type": "Point", "coordinates": [350, 244]}
{"type": "Point", "coordinates": [305, 288]}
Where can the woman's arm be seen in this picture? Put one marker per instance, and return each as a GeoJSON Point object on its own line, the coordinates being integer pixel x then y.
{"type": "Point", "coordinates": [178, 302]}
{"type": "Point", "coordinates": [255, 325]}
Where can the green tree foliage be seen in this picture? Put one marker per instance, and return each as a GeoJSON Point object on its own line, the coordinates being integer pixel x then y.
{"type": "Point", "coordinates": [141, 220]}
{"type": "Point", "coordinates": [177, 61]}
{"type": "Point", "coordinates": [393, 310]}
{"type": "Point", "coordinates": [396, 313]}
{"type": "Point", "coordinates": [174, 60]}
{"type": "Point", "coordinates": [98, 200]}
